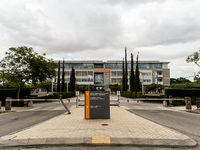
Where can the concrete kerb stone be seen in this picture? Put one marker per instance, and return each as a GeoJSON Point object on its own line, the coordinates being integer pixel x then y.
{"type": "Point", "coordinates": [90, 141]}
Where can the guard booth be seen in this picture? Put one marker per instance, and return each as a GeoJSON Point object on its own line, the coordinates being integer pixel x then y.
{"type": "Point", "coordinates": [97, 105]}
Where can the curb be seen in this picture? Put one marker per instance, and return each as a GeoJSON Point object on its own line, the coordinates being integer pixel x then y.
{"type": "Point", "coordinates": [97, 141]}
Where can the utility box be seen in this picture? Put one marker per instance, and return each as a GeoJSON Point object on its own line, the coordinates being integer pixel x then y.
{"type": "Point", "coordinates": [97, 105]}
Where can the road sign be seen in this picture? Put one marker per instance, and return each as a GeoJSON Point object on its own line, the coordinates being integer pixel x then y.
{"type": "Point", "coordinates": [97, 105]}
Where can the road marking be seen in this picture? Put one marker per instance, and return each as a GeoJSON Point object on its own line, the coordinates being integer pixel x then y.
{"type": "Point", "coordinates": [100, 140]}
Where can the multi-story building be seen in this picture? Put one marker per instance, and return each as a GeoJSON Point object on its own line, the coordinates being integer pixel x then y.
{"type": "Point", "coordinates": [103, 73]}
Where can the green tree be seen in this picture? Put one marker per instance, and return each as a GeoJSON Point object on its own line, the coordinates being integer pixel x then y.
{"type": "Point", "coordinates": [123, 76]}
{"type": "Point", "coordinates": [132, 76]}
{"type": "Point", "coordinates": [72, 82]}
{"type": "Point", "coordinates": [115, 87]}
{"type": "Point", "coordinates": [45, 85]}
{"type": "Point", "coordinates": [126, 71]}
{"type": "Point", "coordinates": [63, 76]}
{"type": "Point", "coordinates": [58, 80]}
{"type": "Point", "coordinates": [137, 78]}
{"type": "Point", "coordinates": [153, 87]}
{"type": "Point", "coordinates": [195, 57]}
{"type": "Point", "coordinates": [179, 80]}
{"type": "Point", "coordinates": [23, 65]}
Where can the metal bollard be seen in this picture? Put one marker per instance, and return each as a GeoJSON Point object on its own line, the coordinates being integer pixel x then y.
{"type": "Point", "coordinates": [77, 103]}
{"type": "Point", "coordinates": [188, 103]}
{"type": "Point", "coordinates": [8, 103]}
{"type": "Point", "coordinates": [165, 103]}
{"type": "Point", "coordinates": [30, 104]}
{"type": "Point", "coordinates": [118, 101]}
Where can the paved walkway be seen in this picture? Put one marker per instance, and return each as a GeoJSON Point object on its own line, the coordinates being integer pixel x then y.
{"type": "Point", "coordinates": [123, 128]}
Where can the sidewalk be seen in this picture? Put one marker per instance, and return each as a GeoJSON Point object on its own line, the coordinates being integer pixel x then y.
{"type": "Point", "coordinates": [124, 128]}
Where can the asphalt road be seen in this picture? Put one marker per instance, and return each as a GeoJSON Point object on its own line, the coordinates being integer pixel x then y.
{"type": "Point", "coordinates": [19, 120]}
{"type": "Point", "coordinates": [181, 121]}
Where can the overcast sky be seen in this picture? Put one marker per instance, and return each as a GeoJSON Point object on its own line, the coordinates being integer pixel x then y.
{"type": "Point", "coordinates": [164, 30]}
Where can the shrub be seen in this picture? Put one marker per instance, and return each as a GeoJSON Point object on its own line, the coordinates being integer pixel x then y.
{"type": "Point", "coordinates": [130, 94]}
{"type": "Point", "coordinates": [198, 103]}
{"type": "Point", "coordinates": [182, 92]}
{"type": "Point", "coordinates": [12, 92]}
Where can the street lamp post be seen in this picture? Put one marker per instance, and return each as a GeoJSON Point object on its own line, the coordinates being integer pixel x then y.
{"type": "Point", "coordinates": [52, 86]}
{"type": "Point", "coordinates": [67, 86]}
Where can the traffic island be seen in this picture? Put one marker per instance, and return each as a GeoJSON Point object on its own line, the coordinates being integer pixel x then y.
{"type": "Point", "coordinates": [123, 128]}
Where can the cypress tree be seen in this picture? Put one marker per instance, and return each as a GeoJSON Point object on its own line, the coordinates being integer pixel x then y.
{"type": "Point", "coordinates": [123, 76]}
{"type": "Point", "coordinates": [72, 81]}
{"type": "Point", "coordinates": [63, 76]}
{"type": "Point", "coordinates": [58, 81]}
{"type": "Point", "coordinates": [132, 78]}
{"type": "Point", "coordinates": [126, 71]}
{"type": "Point", "coordinates": [137, 78]}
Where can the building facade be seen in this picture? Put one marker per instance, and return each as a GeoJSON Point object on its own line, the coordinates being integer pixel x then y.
{"type": "Point", "coordinates": [103, 73]}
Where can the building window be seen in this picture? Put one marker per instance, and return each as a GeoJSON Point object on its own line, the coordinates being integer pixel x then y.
{"type": "Point", "coordinates": [84, 73]}
{"type": "Point", "coordinates": [156, 66]}
{"type": "Point", "coordinates": [76, 66]}
{"type": "Point", "coordinates": [118, 80]}
{"type": "Point", "coordinates": [119, 66]}
{"type": "Point", "coordinates": [67, 73]}
{"type": "Point", "coordinates": [113, 73]}
{"type": "Point", "coordinates": [78, 73]}
{"type": "Point", "coordinates": [67, 66]}
{"type": "Point", "coordinates": [159, 73]}
{"type": "Point", "coordinates": [98, 65]}
{"type": "Point", "coordinates": [78, 80]}
{"type": "Point", "coordinates": [98, 78]}
{"type": "Point", "coordinates": [84, 79]}
{"type": "Point", "coordinates": [159, 80]}
{"type": "Point", "coordinates": [119, 73]}
{"type": "Point", "coordinates": [144, 66]}
{"type": "Point", "coordinates": [110, 66]}
{"type": "Point", "coordinates": [90, 73]}
{"type": "Point", "coordinates": [66, 79]}
{"type": "Point", "coordinates": [89, 66]}
{"type": "Point", "coordinates": [146, 80]}
{"type": "Point", "coordinates": [113, 79]}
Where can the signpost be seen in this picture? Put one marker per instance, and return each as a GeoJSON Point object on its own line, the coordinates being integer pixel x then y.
{"type": "Point", "coordinates": [97, 105]}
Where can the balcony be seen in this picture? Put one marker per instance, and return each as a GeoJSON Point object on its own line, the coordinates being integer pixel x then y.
{"type": "Point", "coordinates": [159, 76]}
{"type": "Point", "coordinates": [160, 83]}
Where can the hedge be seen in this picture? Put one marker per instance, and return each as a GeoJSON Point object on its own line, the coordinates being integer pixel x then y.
{"type": "Point", "coordinates": [55, 95]}
{"type": "Point", "coordinates": [130, 94]}
{"type": "Point", "coordinates": [182, 92]}
{"type": "Point", "coordinates": [12, 92]}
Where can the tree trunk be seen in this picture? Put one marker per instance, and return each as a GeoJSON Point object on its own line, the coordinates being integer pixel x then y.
{"type": "Point", "coordinates": [19, 90]}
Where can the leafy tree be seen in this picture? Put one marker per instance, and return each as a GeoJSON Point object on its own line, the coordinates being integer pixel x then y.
{"type": "Point", "coordinates": [153, 87]}
{"type": "Point", "coordinates": [123, 76]}
{"type": "Point", "coordinates": [137, 78]}
{"type": "Point", "coordinates": [23, 65]}
{"type": "Point", "coordinates": [132, 77]}
{"type": "Point", "coordinates": [72, 81]}
{"type": "Point", "coordinates": [126, 71]}
{"type": "Point", "coordinates": [179, 80]}
{"type": "Point", "coordinates": [63, 76]}
{"type": "Point", "coordinates": [45, 85]}
{"type": "Point", "coordinates": [115, 87]}
{"type": "Point", "coordinates": [195, 57]}
{"type": "Point", "coordinates": [58, 80]}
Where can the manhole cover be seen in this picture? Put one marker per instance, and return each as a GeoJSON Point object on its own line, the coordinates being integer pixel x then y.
{"type": "Point", "coordinates": [104, 124]}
